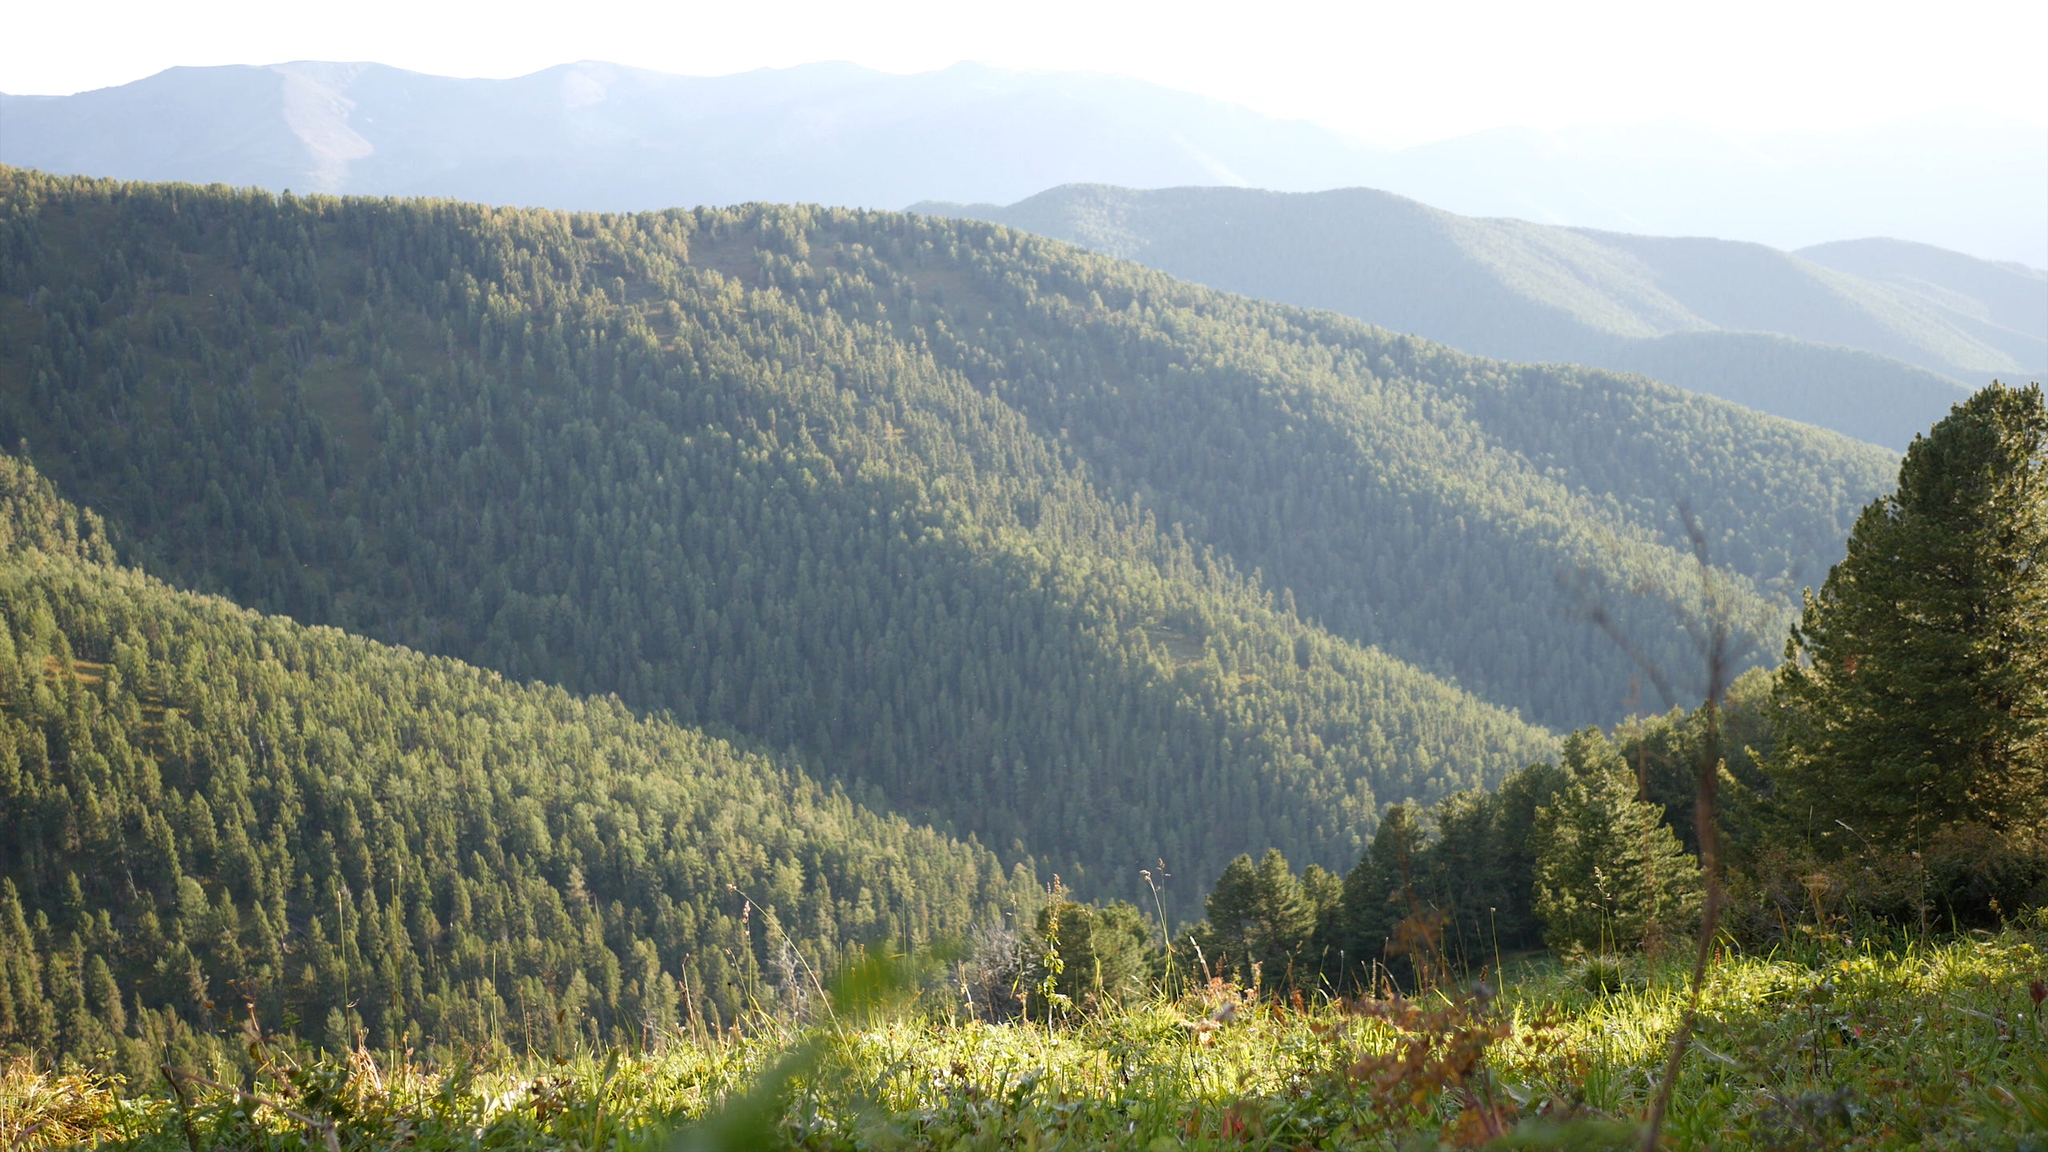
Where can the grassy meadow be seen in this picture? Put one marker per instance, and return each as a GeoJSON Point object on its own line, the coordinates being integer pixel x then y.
{"type": "Point", "coordinates": [1843, 1044]}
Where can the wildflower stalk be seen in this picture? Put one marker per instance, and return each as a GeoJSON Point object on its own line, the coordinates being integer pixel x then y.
{"type": "Point", "coordinates": [1707, 783]}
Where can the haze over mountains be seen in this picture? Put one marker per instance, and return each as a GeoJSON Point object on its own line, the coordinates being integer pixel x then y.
{"type": "Point", "coordinates": [602, 136]}
{"type": "Point", "coordinates": [1872, 338]}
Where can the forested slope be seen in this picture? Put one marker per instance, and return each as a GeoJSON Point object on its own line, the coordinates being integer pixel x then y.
{"type": "Point", "coordinates": [1744, 322]}
{"type": "Point", "coordinates": [439, 424]}
{"type": "Point", "coordinates": [960, 516]}
{"type": "Point", "coordinates": [201, 806]}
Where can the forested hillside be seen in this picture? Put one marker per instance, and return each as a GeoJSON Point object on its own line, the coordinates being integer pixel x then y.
{"type": "Point", "coordinates": [759, 511]}
{"type": "Point", "coordinates": [202, 807]}
{"type": "Point", "coordinates": [1748, 323]}
{"type": "Point", "coordinates": [961, 517]}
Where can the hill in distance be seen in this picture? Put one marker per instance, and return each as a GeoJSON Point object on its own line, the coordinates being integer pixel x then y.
{"type": "Point", "coordinates": [1995, 301]}
{"type": "Point", "coordinates": [1879, 355]}
{"type": "Point", "coordinates": [596, 136]}
{"type": "Point", "coordinates": [606, 137]}
{"type": "Point", "coordinates": [1006, 537]}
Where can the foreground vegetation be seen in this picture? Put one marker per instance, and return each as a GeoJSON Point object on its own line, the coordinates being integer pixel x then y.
{"type": "Point", "coordinates": [1900, 1044]}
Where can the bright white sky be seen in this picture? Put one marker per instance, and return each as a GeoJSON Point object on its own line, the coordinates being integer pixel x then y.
{"type": "Point", "coordinates": [1390, 72]}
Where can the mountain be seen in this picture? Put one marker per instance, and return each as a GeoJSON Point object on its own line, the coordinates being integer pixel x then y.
{"type": "Point", "coordinates": [602, 136]}
{"type": "Point", "coordinates": [2002, 305]}
{"type": "Point", "coordinates": [1099, 566]}
{"type": "Point", "coordinates": [599, 136]}
{"type": "Point", "coordinates": [1876, 357]}
{"type": "Point", "coordinates": [1958, 178]}
{"type": "Point", "coordinates": [202, 808]}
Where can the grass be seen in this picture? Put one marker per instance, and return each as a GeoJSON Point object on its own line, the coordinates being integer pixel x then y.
{"type": "Point", "coordinates": [1939, 1045]}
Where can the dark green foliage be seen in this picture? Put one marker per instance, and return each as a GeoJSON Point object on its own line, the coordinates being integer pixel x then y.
{"type": "Point", "coordinates": [32, 516]}
{"type": "Point", "coordinates": [1535, 861]}
{"type": "Point", "coordinates": [1262, 922]}
{"type": "Point", "coordinates": [1108, 953]}
{"type": "Point", "coordinates": [1470, 860]}
{"type": "Point", "coordinates": [823, 480]}
{"type": "Point", "coordinates": [1662, 754]}
{"type": "Point", "coordinates": [1915, 690]}
{"type": "Point", "coordinates": [1403, 495]}
{"type": "Point", "coordinates": [1609, 873]}
{"type": "Point", "coordinates": [1379, 892]}
{"type": "Point", "coordinates": [202, 808]}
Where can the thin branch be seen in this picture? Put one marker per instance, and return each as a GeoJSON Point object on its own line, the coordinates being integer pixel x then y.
{"type": "Point", "coordinates": [1605, 622]}
{"type": "Point", "coordinates": [1707, 780]}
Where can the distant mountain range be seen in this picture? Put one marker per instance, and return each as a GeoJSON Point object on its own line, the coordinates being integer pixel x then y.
{"type": "Point", "coordinates": [601, 136]}
{"type": "Point", "coordinates": [1872, 338]}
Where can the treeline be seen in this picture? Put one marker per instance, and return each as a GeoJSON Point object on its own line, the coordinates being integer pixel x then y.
{"type": "Point", "coordinates": [1593, 854]}
{"type": "Point", "coordinates": [1894, 770]}
{"type": "Point", "coordinates": [206, 813]}
{"type": "Point", "coordinates": [711, 462]}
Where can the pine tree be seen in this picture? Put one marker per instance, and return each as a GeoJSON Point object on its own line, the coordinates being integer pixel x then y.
{"type": "Point", "coordinates": [1609, 872]}
{"type": "Point", "coordinates": [1915, 688]}
{"type": "Point", "coordinates": [1379, 891]}
{"type": "Point", "coordinates": [1105, 952]}
{"type": "Point", "coordinates": [1258, 915]}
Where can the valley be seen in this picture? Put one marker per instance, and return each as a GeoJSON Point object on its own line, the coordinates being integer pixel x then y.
{"type": "Point", "coordinates": [728, 645]}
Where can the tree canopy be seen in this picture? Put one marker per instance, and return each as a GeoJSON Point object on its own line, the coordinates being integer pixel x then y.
{"type": "Point", "coordinates": [1099, 566]}
{"type": "Point", "coordinates": [202, 808]}
{"type": "Point", "coordinates": [1915, 686]}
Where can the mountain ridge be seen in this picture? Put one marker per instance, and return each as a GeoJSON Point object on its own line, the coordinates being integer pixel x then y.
{"type": "Point", "coordinates": [1879, 359]}
{"type": "Point", "coordinates": [198, 801]}
{"type": "Point", "coordinates": [597, 136]}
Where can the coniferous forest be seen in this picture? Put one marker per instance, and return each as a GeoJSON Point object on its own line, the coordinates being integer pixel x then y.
{"type": "Point", "coordinates": [208, 809]}
{"type": "Point", "coordinates": [436, 628]}
{"type": "Point", "coordinates": [1030, 543]}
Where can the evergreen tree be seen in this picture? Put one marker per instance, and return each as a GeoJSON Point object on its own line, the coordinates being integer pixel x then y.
{"type": "Point", "coordinates": [200, 806]}
{"type": "Point", "coordinates": [1106, 952]}
{"type": "Point", "coordinates": [1915, 687]}
{"type": "Point", "coordinates": [1464, 868]}
{"type": "Point", "coordinates": [1378, 892]}
{"type": "Point", "coordinates": [1261, 915]}
{"type": "Point", "coordinates": [1609, 873]}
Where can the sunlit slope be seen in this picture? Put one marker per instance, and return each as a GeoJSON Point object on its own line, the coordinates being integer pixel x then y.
{"type": "Point", "coordinates": [198, 803]}
{"type": "Point", "coordinates": [1745, 322]}
{"type": "Point", "coordinates": [1403, 495]}
{"type": "Point", "coordinates": [575, 450]}
{"type": "Point", "coordinates": [963, 517]}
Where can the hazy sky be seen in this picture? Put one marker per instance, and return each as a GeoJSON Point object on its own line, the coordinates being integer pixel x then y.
{"type": "Point", "coordinates": [1388, 72]}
